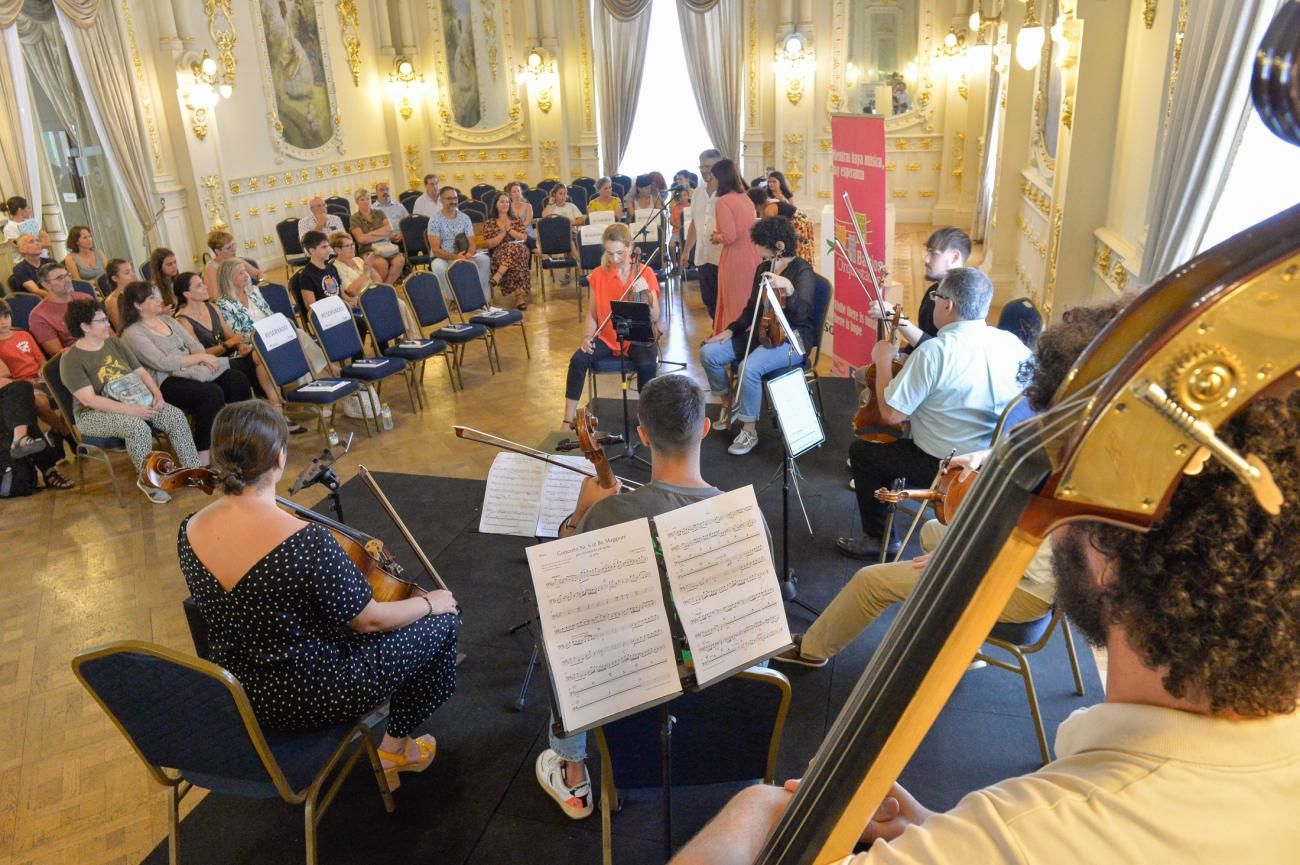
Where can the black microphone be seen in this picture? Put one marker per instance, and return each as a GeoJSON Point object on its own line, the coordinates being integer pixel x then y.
{"type": "Point", "coordinates": [677, 187]}
{"type": "Point", "coordinates": [601, 439]}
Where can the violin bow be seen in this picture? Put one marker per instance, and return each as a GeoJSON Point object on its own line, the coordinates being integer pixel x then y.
{"type": "Point", "coordinates": [470, 434]}
{"type": "Point", "coordinates": [879, 294]}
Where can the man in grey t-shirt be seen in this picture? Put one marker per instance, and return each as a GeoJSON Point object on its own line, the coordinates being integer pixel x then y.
{"type": "Point", "coordinates": [671, 422]}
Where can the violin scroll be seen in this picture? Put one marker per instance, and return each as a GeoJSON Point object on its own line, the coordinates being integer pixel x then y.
{"type": "Point", "coordinates": [584, 424]}
{"type": "Point", "coordinates": [159, 472]}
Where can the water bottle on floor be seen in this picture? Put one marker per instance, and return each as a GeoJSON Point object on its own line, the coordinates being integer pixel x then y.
{"type": "Point", "coordinates": [385, 418]}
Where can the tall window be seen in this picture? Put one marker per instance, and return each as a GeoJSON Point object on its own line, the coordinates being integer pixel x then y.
{"type": "Point", "coordinates": [667, 134]}
{"type": "Point", "coordinates": [1264, 178]}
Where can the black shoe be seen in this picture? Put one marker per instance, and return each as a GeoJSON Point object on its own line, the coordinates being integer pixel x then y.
{"type": "Point", "coordinates": [796, 655]}
{"type": "Point", "coordinates": [867, 549]}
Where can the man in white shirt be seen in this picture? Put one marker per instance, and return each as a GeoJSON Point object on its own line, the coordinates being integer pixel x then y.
{"type": "Point", "coordinates": [394, 210]}
{"type": "Point", "coordinates": [320, 220]}
{"type": "Point", "coordinates": [700, 234]}
{"type": "Point", "coordinates": [952, 389]}
{"type": "Point", "coordinates": [1194, 758]}
{"type": "Point", "coordinates": [427, 204]}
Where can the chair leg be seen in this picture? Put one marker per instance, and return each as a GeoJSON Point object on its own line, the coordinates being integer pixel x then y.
{"type": "Point", "coordinates": [112, 477]}
{"type": "Point", "coordinates": [365, 421]}
{"type": "Point", "coordinates": [487, 345]}
{"type": "Point", "coordinates": [523, 330]}
{"type": "Point", "coordinates": [174, 825]}
{"type": "Point", "coordinates": [1032, 695]}
{"type": "Point", "coordinates": [451, 374]}
{"type": "Point", "coordinates": [380, 778]}
{"type": "Point", "coordinates": [309, 825]}
{"type": "Point", "coordinates": [1074, 658]}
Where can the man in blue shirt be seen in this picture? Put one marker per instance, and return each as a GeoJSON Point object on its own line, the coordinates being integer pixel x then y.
{"type": "Point", "coordinates": [952, 390]}
{"type": "Point", "coordinates": [451, 239]}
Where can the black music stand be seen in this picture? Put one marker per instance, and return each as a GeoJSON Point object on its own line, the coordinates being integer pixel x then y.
{"type": "Point", "coordinates": [632, 324]}
{"type": "Point", "coordinates": [801, 431]}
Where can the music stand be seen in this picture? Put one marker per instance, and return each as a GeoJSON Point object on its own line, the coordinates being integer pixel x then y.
{"type": "Point", "coordinates": [632, 324]}
{"type": "Point", "coordinates": [801, 431]}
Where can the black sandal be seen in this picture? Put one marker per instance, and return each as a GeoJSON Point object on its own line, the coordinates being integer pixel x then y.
{"type": "Point", "coordinates": [56, 481]}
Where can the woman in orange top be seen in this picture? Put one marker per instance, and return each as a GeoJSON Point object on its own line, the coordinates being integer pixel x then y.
{"type": "Point", "coordinates": [735, 217]}
{"type": "Point", "coordinates": [615, 279]}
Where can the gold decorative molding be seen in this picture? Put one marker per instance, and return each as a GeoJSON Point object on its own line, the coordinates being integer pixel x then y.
{"type": "Point", "coordinates": [330, 119]}
{"type": "Point", "coordinates": [958, 157]}
{"type": "Point", "coordinates": [793, 159]}
{"type": "Point", "coordinates": [498, 23]}
{"type": "Point", "coordinates": [223, 36]}
{"type": "Point", "coordinates": [234, 187]}
{"type": "Point", "coordinates": [1149, 13]}
{"type": "Point", "coordinates": [1067, 112]}
{"type": "Point", "coordinates": [1041, 201]}
{"type": "Point", "coordinates": [963, 87]}
{"type": "Point", "coordinates": [550, 158]}
{"type": "Point", "coordinates": [250, 244]}
{"type": "Point", "coordinates": [199, 122]}
{"type": "Point", "coordinates": [752, 89]}
{"type": "Point", "coordinates": [142, 87]}
{"type": "Point", "coordinates": [584, 55]}
{"type": "Point", "coordinates": [913, 166]}
{"type": "Point", "coordinates": [889, 166]}
{"type": "Point", "coordinates": [900, 193]}
{"type": "Point", "coordinates": [411, 164]}
{"type": "Point", "coordinates": [824, 193]}
{"type": "Point", "coordinates": [291, 180]}
{"type": "Point", "coordinates": [1180, 32]}
{"type": "Point", "coordinates": [925, 193]}
{"type": "Point", "coordinates": [254, 211]}
{"type": "Point", "coordinates": [350, 25]}
{"type": "Point", "coordinates": [237, 216]}
{"type": "Point", "coordinates": [1109, 264]}
{"type": "Point", "coordinates": [1034, 240]}
{"type": "Point", "coordinates": [271, 208]}
{"type": "Point", "coordinates": [268, 239]}
{"type": "Point", "coordinates": [214, 202]}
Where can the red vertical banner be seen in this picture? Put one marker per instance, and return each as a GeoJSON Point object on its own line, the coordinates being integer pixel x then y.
{"type": "Point", "coordinates": [858, 166]}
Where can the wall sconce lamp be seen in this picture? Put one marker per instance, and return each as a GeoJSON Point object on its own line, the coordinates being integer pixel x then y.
{"type": "Point", "coordinates": [402, 84]}
{"type": "Point", "coordinates": [539, 72]}
{"type": "Point", "coordinates": [1029, 41]}
{"type": "Point", "coordinates": [953, 45]}
{"type": "Point", "coordinates": [201, 93]}
{"type": "Point", "coordinates": [794, 59]}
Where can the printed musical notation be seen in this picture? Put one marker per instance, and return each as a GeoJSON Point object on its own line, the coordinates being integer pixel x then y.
{"type": "Point", "coordinates": [608, 641]}
{"type": "Point", "coordinates": [724, 585]}
{"type": "Point", "coordinates": [527, 497]}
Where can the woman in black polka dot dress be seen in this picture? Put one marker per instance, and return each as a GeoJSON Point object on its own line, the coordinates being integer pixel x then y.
{"type": "Point", "coordinates": [289, 614]}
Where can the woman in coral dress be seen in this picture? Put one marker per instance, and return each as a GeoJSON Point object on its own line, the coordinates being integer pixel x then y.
{"type": "Point", "coordinates": [735, 216]}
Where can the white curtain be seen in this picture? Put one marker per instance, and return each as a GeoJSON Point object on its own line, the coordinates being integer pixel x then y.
{"type": "Point", "coordinates": [712, 39]}
{"type": "Point", "coordinates": [18, 172]}
{"type": "Point", "coordinates": [1206, 119]}
{"type": "Point", "coordinates": [620, 54]}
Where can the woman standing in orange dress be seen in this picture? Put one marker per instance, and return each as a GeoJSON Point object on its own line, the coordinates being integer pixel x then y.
{"type": "Point", "coordinates": [735, 217]}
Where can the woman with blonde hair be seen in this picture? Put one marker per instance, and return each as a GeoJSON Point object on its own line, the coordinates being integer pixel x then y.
{"type": "Point", "coordinates": [242, 305]}
{"type": "Point", "coordinates": [615, 279]}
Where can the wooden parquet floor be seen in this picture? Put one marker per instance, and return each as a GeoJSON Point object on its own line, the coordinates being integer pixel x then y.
{"type": "Point", "coordinates": [78, 571]}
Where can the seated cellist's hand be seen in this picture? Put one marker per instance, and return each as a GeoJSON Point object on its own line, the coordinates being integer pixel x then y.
{"type": "Point", "coordinates": [442, 602]}
{"type": "Point", "coordinates": [898, 811]}
{"type": "Point", "coordinates": [883, 353]}
{"type": "Point", "coordinates": [591, 493]}
{"type": "Point", "coordinates": [877, 310]}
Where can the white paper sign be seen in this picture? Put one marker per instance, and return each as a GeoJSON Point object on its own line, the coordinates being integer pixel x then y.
{"type": "Point", "coordinates": [331, 312]}
{"type": "Point", "coordinates": [275, 330]}
{"type": "Point", "coordinates": [724, 585]}
{"type": "Point", "coordinates": [609, 645]}
{"type": "Point", "coordinates": [527, 497]}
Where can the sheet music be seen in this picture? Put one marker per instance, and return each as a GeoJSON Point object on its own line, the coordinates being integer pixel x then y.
{"type": "Point", "coordinates": [527, 497]}
{"type": "Point", "coordinates": [608, 643]}
{"type": "Point", "coordinates": [795, 412]}
{"type": "Point", "coordinates": [724, 585]}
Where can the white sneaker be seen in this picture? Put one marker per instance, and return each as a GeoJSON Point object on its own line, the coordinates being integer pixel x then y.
{"type": "Point", "coordinates": [158, 497]}
{"type": "Point", "coordinates": [724, 418]}
{"type": "Point", "coordinates": [743, 443]}
{"type": "Point", "coordinates": [853, 484]}
{"type": "Point", "coordinates": [575, 802]}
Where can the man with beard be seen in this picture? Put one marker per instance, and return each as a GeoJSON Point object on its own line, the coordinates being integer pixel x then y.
{"type": "Point", "coordinates": [1195, 755]}
{"type": "Point", "coordinates": [946, 249]}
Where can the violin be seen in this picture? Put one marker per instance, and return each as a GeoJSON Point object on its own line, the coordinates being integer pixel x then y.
{"type": "Point", "coordinates": [947, 494]}
{"type": "Point", "coordinates": [770, 332]}
{"type": "Point", "coordinates": [369, 554]}
{"type": "Point", "coordinates": [584, 424]}
{"type": "Point", "coordinates": [642, 295]}
{"type": "Point", "coordinates": [869, 424]}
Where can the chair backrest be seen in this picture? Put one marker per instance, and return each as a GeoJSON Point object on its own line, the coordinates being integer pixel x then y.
{"type": "Point", "coordinates": [341, 212]}
{"type": "Point", "coordinates": [383, 315]}
{"type": "Point", "coordinates": [341, 203]}
{"type": "Point", "coordinates": [335, 330]}
{"type": "Point", "coordinates": [426, 298]}
{"type": "Point", "coordinates": [287, 230]}
{"type": "Point", "coordinates": [1014, 412]}
{"type": "Point", "coordinates": [146, 272]}
{"type": "Point", "coordinates": [285, 360]}
{"type": "Point", "coordinates": [553, 235]}
{"type": "Point", "coordinates": [708, 745]}
{"type": "Point", "coordinates": [617, 188]}
{"type": "Point", "coordinates": [474, 207]}
{"type": "Point", "coordinates": [105, 287]}
{"type": "Point", "coordinates": [821, 307]}
{"type": "Point", "coordinates": [624, 181]}
{"type": "Point", "coordinates": [476, 216]}
{"type": "Point", "coordinates": [465, 285]}
{"type": "Point", "coordinates": [587, 183]}
{"type": "Point", "coordinates": [408, 199]}
{"type": "Point", "coordinates": [182, 713]}
{"type": "Point", "coordinates": [21, 305]}
{"type": "Point", "coordinates": [86, 288]}
{"type": "Point", "coordinates": [414, 235]}
{"type": "Point", "coordinates": [278, 298]}
{"type": "Point", "coordinates": [548, 184]}
{"type": "Point", "coordinates": [578, 195]}
{"type": "Point", "coordinates": [479, 191]}
{"type": "Point", "coordinates": [590, 249]}
{"type": "Point", "coordinates": [1022, 318]}
{"type": "Point", "coordinates": [537, 198]}
{"type": "Point", "coordinates": [52, 375]}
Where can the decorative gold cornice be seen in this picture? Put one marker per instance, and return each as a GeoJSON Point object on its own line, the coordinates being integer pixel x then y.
{"type": "Point", "coordinates": [1041, 201]}
{"type": "Point", "coordinates": [221, 27]}
{"type": "Point", "coordinates": [350, 25]}
{"type": "Point", "coordinates": [290, 180]}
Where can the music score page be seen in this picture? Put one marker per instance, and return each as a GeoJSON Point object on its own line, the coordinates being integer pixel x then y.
{"type": "Point", "coordinates": [608, 642]}
{"type": "Point", "coordinates": [529, 498]}
{"type": "Point", "coordinates": [723, 582]}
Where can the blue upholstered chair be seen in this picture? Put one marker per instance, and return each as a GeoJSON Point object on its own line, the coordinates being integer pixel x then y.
{"type": "Point", "coordinates": [290, 244]}
{"type": "Point", "coordinates": [286, 364]}
{"type": "Point", "coordinates": [416, 240]}
{"type": "Point", "coordinates": [384, 319]}
{"type": "Point", "coordinates": [1022, 318]}
{"type": "Point", "coordinates": [342, 345]}
{"type": "Point", "coordinates": [192, 724]}
{"type": "Point", "coordinates": [21, 305]}
{"type": "Point", "coordinates": [280, 300]}
{"type": "Point", "coordinates": [465, 285]}
{"type": "Point", "coordinates": [555, 248]}
{"type": "Point", "coordinates": [430, 310]}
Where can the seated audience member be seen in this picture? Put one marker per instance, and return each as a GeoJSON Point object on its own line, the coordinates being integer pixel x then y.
{"type": "Point", "coordinates": [391, 208]}
{"type": "Point", "coordinates": [222, 245]}
{"type": "Point", "coordinates": [671, 422]}
{"type": "Point", "coordinates": [242, 305]}
{"type": "Point", "coordinates": [163, 269]}
{"type": "Point", "coordinates": [615, 279]}
{"type": "Point", "coordinates": [189, 378]}
{"type": "Point", "coordinates": [560, 205]}
{"type": "Point", "coordinates": [684, 181]}
{"type": "Point", "coordinates": [373, 233]}
{"type": "Point", "coordinates": [202, 320]}
{"type": "Point", "coordinates": [358, 274]}
{"type": "Point", "coordinates": [119, 274]}
{"type": "Point", "coordinates": [83, 260]}
{"type": "Point", "coordinates": [18, 426]}
{"type": "Point", "coordinates": [1200, 618]}
{"type": "Point", "coordinates": [521, 208]}
{"type": "Point", "coordinates": [23, 221]}
{"type": "Point", "coordinates": [427, 204]}
{"type": "Point", "coordinates": [451, 239]}
{"type": "Point", "coordinates": [319, 219]}
{"type": "Point", "coordinates": [658, 184]}
{"type": "Point", "coordinates": [114, 396]}
{"type": "Point", "coordinates": [30, 260]}
{"type": "Point", "coordinates": [763, 206]}
{"type": "Point", "coordinates": [47, 321]}
{"type": "Point", "coordinates": [792, 277]}
{"type": "Point", "coordinates": [643, 196]}
{"type": "Point", "coordinates": [23, 358]}
{"type": "Point", "coordinates": [309, 642]}
{"type": "Point", "coordinates": [952, 390]}
{"type": "Point", "coordinates": [505, 236]}
{"type": "Point", "coordinates": [319, 277]}
{"type": "Point", "coordinates": [605, 199]}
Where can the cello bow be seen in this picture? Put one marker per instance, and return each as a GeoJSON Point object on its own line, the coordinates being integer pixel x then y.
{"type": "Point", "coordinates": [371, 484]}
{"type": "Point", "coordinates": [1230, 309]}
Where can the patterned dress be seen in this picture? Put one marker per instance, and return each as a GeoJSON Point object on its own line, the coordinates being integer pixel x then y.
{"type": "Point", "coordinates": [514, 257]}
{"type": "Point", "coordinates": [282, 631]}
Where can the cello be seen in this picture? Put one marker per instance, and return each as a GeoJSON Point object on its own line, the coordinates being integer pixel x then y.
{"type": "Point", "coordinates": [1176, 364]}
{"type": "Point", "coordinates": [869, 423]}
